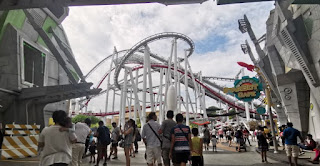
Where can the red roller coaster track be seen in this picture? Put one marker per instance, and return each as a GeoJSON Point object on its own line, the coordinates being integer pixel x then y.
{"type": "Point", "coordinates": [182, 72]}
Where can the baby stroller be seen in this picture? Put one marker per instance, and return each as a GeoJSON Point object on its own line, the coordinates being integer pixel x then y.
{"type": "Point", "coordinates": [242, 145]}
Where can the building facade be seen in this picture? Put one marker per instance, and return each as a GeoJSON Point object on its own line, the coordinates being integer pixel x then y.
{"type": "Point", "coordinates": [38, 72]}
{"type": "Point", "coordinates": [291, 63]}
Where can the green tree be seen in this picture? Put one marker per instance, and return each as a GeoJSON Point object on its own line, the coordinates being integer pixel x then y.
{"type": "Point", "coordinates": [232, 111]}
{"type": "Point", "coordinates": [192, 125]}
{"type": "Point", "coordinates": [81, 118]}
{"type": "Point", "coordinates": [138, 123]}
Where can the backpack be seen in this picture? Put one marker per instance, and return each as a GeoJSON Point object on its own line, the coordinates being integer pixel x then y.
{"type": "Point", "coordinates": [104, 136]}
{"type": "Point", "coordinates": [138, 136]}
{"type": "Point", "coordinates": [238, 134]}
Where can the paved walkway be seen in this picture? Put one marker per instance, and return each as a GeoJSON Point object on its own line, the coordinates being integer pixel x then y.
{"type": "Point", "coordinates": [282, 157]}
{"type": "Point", "coordinates": [226, 156]}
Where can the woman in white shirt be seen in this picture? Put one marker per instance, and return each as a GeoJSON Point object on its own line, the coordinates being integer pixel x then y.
{"type": "Point", "coordinates": [56, 146]}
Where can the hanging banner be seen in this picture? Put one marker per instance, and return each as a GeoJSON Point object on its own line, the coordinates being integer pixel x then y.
{"type": "Point", "coordinates": [245, 89]}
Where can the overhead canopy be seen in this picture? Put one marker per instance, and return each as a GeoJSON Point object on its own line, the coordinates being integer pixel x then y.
{"type": "Point", "coordinates": [225, 2]}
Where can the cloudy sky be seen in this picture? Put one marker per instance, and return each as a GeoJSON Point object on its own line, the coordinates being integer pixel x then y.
{"type": "Point", "coordinates": [94, 31]}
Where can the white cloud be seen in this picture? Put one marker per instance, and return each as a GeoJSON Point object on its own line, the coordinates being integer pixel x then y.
{"type": "Point", "coordinates": [94, 31]}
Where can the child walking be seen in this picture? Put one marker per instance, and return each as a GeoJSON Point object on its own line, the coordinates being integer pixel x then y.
{"type": "Point", "coordinates": [197, 148]}
{"type": "Point", "coordinates": [92, 150]}
{"type": "Point", "coordinates": [214, 143]}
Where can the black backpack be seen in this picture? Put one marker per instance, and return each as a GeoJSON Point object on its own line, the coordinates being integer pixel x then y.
{"type": "Point", "coordinates": [104, 136]}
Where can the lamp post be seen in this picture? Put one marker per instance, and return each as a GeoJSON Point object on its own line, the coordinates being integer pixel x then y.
{"type": "Point", "coordinates": [269, 103]}
{"type": "Point", "coordinates": [244, 26]}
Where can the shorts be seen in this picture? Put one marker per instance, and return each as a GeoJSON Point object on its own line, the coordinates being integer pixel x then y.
{"type": "Point", "coordinates": [229, 137]}
{"type": "Point", "coordinates": [165, 156]}
{"type": "Point", "coordinates": [206, 140]}
{"type": "Point", "coordinates": [221, 135]}
{"type": "Point", "coordinates": [292, 150]}
{"type": "Point", "coordinates": [102, 150]}
{"type": "Point", "coordinates": [115, 144]}
{"type": "Point", "coordinates": [182, 157]}
{"type": "Point", "coordinates": [197, 160]}
{"type": "Point", "coordinates": [153, 153]}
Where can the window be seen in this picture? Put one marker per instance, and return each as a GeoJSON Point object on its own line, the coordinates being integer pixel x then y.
{"type": "Point", "coordinates": [34, 65]}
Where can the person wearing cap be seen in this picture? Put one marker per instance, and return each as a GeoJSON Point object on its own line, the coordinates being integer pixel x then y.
{"type": "Point", "coordinates": [82, 130]}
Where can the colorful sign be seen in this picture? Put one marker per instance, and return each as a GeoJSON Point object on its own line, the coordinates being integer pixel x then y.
{"type": "Point", "coordinates": [245, 89]}
{"type": "Point", "coordinates": [261, 110]}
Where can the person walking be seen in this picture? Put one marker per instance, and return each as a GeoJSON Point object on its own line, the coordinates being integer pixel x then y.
{"type": "Point", "coordinates": [55, 146]}
{"type": "Point", "coordinates": [220, 132]}
{"type": "Point", "coordinates": [239, 137]}
{"type": "Point", "coordinates": [128, 132]}
{"type": "Point", "coordinates": [246, 134]}
{"type": "Point", "coordinates": [115, 135]}
{"type": "Point", "coordinates": [292, 149]}
{"type": "Point", "coordinates": [131, 151]}
{"type": "Point", "coordinates": [152, 140]}
{"type": "Point", "coordinates": [165, 130]}
{"type": "Point", "coordinates": [82, 131]}
{"type": "Point", "coordinates": [92, 149]}
{"type": "Point", "coordinates": [228, 136]}
{"type": "Point", "coordinates": [136, 140]}
{"type": "Point", "coordinates": [103, 135]}
{"type": "Point", "coordinates": [181, 142]}
{"type": "Point", "coordinates": [197, 148]}
{"type": "Point", "coordinates": [206, 137]}
{"type": "Point", "coordinates": [214, 141]}
{"type": "Point", "coordinates": [262, 144]}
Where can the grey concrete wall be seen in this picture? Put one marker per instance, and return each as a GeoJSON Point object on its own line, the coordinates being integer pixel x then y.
{"type": "Point", "coordinates": [26, 111]}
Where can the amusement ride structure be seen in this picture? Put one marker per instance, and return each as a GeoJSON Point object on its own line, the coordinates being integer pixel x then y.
{"type": "Point", "coordinates": [167, 93]}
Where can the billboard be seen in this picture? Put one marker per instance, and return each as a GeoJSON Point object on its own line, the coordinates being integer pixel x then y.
{"type": "Point", "coordinates": [245, 89]}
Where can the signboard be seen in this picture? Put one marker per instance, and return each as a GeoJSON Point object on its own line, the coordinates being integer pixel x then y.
{"type": "Point", "coordinates": [225, 2]}
{"type": "Point", "coordinates": [261, 110]}
{"type": "Point", "coordinates": [245, 89]}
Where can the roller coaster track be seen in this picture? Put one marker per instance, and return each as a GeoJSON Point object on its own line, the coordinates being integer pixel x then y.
{"type": "Point", "coordinates": [139, 48]}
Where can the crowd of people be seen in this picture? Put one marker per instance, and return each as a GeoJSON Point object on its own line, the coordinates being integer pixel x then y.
{"type": "Point", "coordinates": [172, 142]}
{"type": "Point", "coordinates": [65, 143]}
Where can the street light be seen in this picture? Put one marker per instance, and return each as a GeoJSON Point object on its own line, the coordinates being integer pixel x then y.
{"type": "Point", "coordinates": [244, 48]}
{"type": "Point", "coordinates": [242, 25]}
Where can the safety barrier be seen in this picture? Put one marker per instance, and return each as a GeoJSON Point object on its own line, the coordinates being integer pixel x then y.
{"type": "Point", "coordinates": [20, 141]}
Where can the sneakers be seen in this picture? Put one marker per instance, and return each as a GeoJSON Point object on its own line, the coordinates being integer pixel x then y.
{"type": "Point", "coordinates": [115, 158]}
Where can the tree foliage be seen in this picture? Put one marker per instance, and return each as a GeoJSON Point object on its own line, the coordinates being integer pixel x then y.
{"type": "Point", "coordinates": [253, 125]}
{"type": "Point", "coordinates": [81, 118]}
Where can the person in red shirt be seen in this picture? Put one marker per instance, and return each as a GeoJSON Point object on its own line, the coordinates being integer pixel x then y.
{"type": "Point", "coordinates": [309, 143]}
{"type": "Point", "coordinates": [315, 160]}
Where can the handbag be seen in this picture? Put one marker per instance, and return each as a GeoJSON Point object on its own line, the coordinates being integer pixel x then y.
{"type": "Point", "coordinates": [121, 143]}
